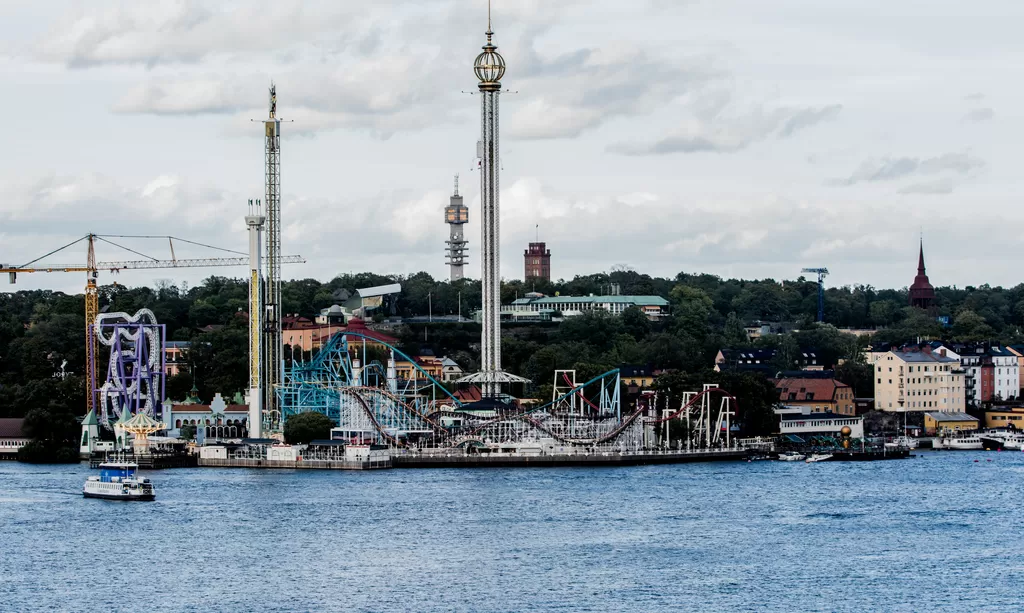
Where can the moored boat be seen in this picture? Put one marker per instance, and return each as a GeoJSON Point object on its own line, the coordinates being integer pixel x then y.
{"type": "Point", "coordinates": [118, 481]}
{"type": "Point", "coordinates": [963, 443]}
{"type": "Point", "coordinates": [818, 457]}
{"type": "Point", "coordinates": [791, 456]}
{"type": "Point", "coordinates": [1002, 439]}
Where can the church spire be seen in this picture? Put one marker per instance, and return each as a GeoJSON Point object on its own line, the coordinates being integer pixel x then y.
{"type": "Point", "coordinates": [920, 259]}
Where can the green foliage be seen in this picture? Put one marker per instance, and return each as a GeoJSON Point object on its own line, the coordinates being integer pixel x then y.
{"type": "Point", "coordinates": [54, 435]}
{"type": "Point", "coordinates": [858, 376]}
{"type": "Point", "coordinates": [187, 432]}
{"type": "Point", "coordinates": [40, 330]}
{"type": "Point", "coordinates": [305, 427]}
{"type": "Point", "coordinates": [41, 452]}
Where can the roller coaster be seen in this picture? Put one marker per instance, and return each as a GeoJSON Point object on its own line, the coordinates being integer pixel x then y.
{"type": "Point", "coordinates": [372, 404]}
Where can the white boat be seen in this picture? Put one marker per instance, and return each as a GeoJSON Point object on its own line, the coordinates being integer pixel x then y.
{"type": "Point", "coordinates": [902, 441]}
{"type": "Point", "coordinates": [791, 456]}
{"type": "Point", "coordinates": [818, 457]}
{"type": "Point", "coordinates": [1002, 439]}
{"type": "Point", "coordinates": [963, 443]}
{"type": "Point", "coordinates": [118, 481]}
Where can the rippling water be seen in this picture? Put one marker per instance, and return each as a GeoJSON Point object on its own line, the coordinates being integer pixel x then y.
{"type": "Point", "coordinates": [933, 533]}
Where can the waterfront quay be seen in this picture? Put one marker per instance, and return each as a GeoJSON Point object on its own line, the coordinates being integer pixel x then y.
{"type": "Point", "coordinates": [455, 458]}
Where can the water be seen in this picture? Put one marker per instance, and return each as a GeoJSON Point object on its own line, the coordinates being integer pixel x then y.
{"type": "Point", "coordinates": [935, 533]}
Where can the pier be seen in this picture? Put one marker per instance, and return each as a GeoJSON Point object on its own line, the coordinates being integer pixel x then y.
{"type": "Point", "coordinates": [454, 458]}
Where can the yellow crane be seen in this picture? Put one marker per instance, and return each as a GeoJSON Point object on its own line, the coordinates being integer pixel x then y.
{"type": "Point", "coordinates": [92, 268]}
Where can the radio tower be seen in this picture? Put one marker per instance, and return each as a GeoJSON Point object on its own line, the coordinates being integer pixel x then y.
{"type": "Point", "coordinates": [456, 215]}
{"type": "Point", "coordinates": [489, 68]}
{"type": "Point", "coordinates": [272, 346]}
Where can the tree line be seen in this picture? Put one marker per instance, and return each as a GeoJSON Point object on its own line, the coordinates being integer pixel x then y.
{"type": "Point", "coordinates": [42, 354]}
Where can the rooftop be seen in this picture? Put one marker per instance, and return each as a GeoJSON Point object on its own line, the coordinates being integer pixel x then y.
{"type": "Point", "coordinates": [809, 388]}
{"type": "Point", "coordinates": [380, 290]}
{"type": "Point", "coordinates": [637, 300]}
{"type": "Point", "coordinates": [922, 356]}
{"type": "Point", "coordinates": [812, 416]}
{"type": "Point", "coordinates": [944, 416]}
{"type": "Point", "coordinates": [11, 427]}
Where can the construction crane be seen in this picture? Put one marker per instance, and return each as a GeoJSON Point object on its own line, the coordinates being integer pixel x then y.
{"type": "Point", "coordinates": [92, 268]}
{"type": "Point", "coordinates": [822, 273]}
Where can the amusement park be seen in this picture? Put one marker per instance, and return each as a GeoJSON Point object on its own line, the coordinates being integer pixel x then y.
{"type": "Point", "coordinates": [380, 415]}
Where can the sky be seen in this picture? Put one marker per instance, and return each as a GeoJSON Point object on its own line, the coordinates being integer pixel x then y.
{"type": "Point", "coordinates": [741, 138]}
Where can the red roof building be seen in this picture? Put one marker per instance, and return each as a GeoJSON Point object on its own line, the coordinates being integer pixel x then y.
{"type": "Point", "coordinates": [820, 395]}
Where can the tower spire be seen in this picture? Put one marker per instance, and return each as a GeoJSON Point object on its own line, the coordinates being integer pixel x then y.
{"type": "Point", "coordinates": [920, 258]}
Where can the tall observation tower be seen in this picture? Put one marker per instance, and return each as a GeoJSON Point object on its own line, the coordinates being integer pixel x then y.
{"type": "Point", "coordinates": [489, 68]}
{"type": "Point", "coordinates": [272, 345]}
{"type": "Point", "coordinates": [456, 215]}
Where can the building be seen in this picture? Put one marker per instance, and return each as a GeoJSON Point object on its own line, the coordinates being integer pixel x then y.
{"type": "Point", "coordinates": [334, 314]}
{"type": "Point", "coordinates": [655, 307]}
{"type": "Point", "coordinates": [762, 360]}
{"type": "Point", "coordinates": [922, 294]}
{"type": "Point", "coordinates": [1018, 350]}
{"type": "Point", "coordinates": [1005, 417]}
{"type": "Point", "coordinates": [456, 215]}
{"type": "Point", "coordinates": [818, 395]}
{"type": "Point", "coordinates": [12, 437]}
{"type": "Point", "coordinates": [640, 377]}
{"type": "Point", "coordinates": [537, 258]}
{"type": "Point", "coordinates": [944, 422]}
{"type": "Point", "coordinates": [919, 380]}
{"type": "Point", "coordinates": [176, 357]}
{"type": "Point", "coordinates": [797, 424]}
{"type": "Point", "coordinates": [304, 335]}
{"type": "Point", "coordinates": [215, 420]}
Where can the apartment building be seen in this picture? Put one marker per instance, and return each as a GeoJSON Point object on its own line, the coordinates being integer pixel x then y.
{"type": "Point", "coordinates": [919, 380]}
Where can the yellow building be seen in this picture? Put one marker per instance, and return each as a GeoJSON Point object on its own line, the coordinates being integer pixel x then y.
{"type": "Point", "coordinates": [1005, 418]}
{"type": "Point", "coordinates": [939, 422]}
{"type": "Point", "coordinates": [907, 381]}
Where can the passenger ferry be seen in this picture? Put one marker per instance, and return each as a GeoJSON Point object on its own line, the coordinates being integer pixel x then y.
{"type": "Point", "coordinates": [117, 481]}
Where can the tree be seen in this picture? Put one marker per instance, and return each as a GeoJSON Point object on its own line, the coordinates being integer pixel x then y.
{"type": "Point", "coordinates": [635, 322]}
{"type": "Point", "coordinates": [970, 327]}
{"type": "Point", "coordinates": [308, 426]}
{"type": "Point", "coordinates": [187, 432]}
{"type": "Point", "coordinates": [54, 437]}
{"type": "Point", "coordinates": [859, 376]}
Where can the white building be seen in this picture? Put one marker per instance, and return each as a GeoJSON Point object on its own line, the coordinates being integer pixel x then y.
{"type": "Point", "coordinates": [1007, 373]}
{"type": "Point", "coordinates": [800, 422]}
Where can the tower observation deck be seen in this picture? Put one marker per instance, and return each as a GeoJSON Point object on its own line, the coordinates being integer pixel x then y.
{"type": "Point", "coordinates": [456, 215]}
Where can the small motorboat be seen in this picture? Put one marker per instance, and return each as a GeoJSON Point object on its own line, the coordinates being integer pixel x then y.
{"type": "Point", "coordinates": [818, 457]}
{"type": "Point", "coordinates": [791, 456]}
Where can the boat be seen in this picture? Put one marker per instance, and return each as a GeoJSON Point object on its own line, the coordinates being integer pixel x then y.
{"type": "Point", "coordinates": [118, 481]}
{"type": "Point", "coordinates": [902, 441]}
{"type": "Point", "coordinates": [963, 443]}
{"type": "Point", "coordinates": [1002, 439]}
{"type": "Point", "coordinates": [818, 457]}
{"type": "Point", "coordinates": [791, 456]}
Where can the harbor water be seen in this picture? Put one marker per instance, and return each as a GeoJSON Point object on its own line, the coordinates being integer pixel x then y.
{"type": "Point", "coordinates": [938, 532]}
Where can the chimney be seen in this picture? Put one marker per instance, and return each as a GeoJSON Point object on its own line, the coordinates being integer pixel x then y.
{"type": "Point", "coordinates": [942, 352]}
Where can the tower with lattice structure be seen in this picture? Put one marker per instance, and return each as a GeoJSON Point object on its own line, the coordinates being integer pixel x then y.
{"type": "Point", "coordinates": [273, 350]}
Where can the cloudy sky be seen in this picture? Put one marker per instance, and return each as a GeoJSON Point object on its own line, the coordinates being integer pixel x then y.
{"type": "Point", "coordinates": [745, 138]}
